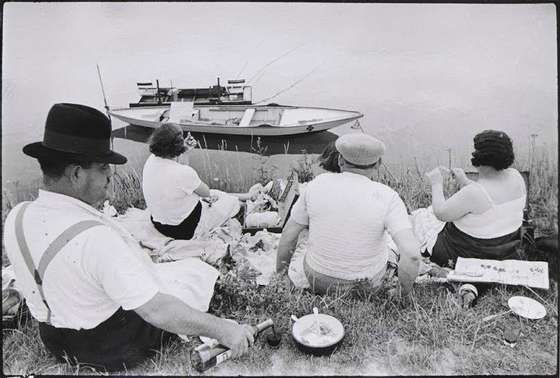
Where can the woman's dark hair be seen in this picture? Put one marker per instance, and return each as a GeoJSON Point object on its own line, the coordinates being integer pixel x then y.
{"type": "Point", "coordinates": [328, 159]}
{"type": "Point", "coordinates": [167, 141]}
{"type": "Point", "coordinates": [494, 149]}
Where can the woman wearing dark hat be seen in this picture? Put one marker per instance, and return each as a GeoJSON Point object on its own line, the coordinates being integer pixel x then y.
{"type": "Point", "coordinates": [483, 218]}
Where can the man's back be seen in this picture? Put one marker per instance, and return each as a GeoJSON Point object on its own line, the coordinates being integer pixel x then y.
{"type": "Point", "coordinates": [347, 214]}
{"type": "Point", "coordinates": [80, 283]}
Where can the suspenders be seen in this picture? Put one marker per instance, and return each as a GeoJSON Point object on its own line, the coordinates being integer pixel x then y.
{"type": "Point", "coordinates": [59, 243]}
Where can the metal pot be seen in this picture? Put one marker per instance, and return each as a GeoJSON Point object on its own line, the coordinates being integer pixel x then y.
{"type": "Point", "coordinates": [325, 342]}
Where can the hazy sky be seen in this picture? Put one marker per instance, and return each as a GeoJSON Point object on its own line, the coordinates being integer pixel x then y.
{"type": "Point", "coordinates": [426, 76]}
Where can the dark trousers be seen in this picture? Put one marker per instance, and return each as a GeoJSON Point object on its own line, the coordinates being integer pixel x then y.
{"type": "Point", "coordinates": [120, 342]}
{"type": "Point", "coordinates": [185, 229]}
{"type": "Point", "coordinates": [452, 243]}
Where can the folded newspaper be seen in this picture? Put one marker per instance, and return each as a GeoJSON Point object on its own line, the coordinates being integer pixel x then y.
{"type": "Point", "coordinates": [509, 272]}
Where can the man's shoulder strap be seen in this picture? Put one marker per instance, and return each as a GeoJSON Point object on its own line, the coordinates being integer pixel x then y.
{"type": "Point", "coordinates": [63, 239]}
{"type": "Point", "coordinates": [24, 249]}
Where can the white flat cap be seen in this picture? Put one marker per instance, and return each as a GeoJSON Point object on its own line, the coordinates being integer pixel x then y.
{"type": "Point", "coordinates": [360, 148]}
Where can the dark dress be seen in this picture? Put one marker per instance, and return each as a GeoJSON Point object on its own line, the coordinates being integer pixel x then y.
{"type": "Point", "coordinates": [184, 230]}
{"type": "Point", "coordinates": [452, 243]}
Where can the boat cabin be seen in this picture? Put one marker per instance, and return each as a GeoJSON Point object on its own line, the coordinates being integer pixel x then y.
{"type": "Point", "coordinates": [235, 93]}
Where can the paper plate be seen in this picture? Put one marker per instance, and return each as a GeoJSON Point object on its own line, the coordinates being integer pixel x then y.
{"type": "Point", "coordinates": [527, 307]}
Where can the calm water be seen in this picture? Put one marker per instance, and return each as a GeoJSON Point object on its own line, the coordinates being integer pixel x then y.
{"type": "Point", "coordinates": [427, 77]}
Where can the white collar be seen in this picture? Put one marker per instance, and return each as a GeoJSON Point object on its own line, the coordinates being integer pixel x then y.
{"type": "Point", "coordinates": [64, 200]}
{"type": "Point", "coordinates": [347, 173]}
{"type": "Point", "coordinates": [59, 200]}
{"type": "Point", "coordinates": [166, 160]}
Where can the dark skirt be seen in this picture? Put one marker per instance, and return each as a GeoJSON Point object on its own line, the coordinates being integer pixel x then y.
{"type": "Point", "coordinates": [120, 342]}
{"type": "Point", "coordinates": [452, 243]}
{"type": "Point", "coordinates": [185, 229]}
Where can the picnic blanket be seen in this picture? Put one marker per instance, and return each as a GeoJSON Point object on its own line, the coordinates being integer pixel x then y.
{"type": "Point", "coordinates": [261, 250]}
{"type": "Point", "coordinates": [216, 214]}
{"type": "Point", "coordinates": [162, 248]}
{"type": "Point", "coordinates": [426, 227]}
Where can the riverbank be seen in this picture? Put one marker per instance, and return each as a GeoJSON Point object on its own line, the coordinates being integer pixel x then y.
{"type": "Point", "coordinates": [429, 335]}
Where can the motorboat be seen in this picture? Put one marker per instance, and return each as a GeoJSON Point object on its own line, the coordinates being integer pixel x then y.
{"type": "Point", "coordinates": [227, 110]}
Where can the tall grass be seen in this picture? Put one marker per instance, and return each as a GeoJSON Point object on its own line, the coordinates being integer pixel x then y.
{"type": "Point", "coordinates": [429, 334]}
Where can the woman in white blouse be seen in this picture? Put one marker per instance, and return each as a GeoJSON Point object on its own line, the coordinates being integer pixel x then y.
{"type": "Point", "coordinates": [174, 192]}
{"type": "Point", "coordinates": [483, 219]}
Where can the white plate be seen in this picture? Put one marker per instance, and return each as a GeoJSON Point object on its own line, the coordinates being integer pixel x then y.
{"type": "Point", "coordinates": [527, 307]}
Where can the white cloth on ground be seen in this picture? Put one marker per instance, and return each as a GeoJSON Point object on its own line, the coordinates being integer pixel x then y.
{"type": "Point", "coordinates": [261, 250]}
{"type": "Point", "coordinates": [160, 247]}
{"type": "Point", "coordinates": [217, 213]}
{"type": "Point", "coordinates": [426, 227]}
{"type": "Point", "coordinates": [190, 280]}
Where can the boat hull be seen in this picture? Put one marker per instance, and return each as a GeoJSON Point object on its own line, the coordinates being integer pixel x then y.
{"type": "Point", "coordinates": [154, 117]}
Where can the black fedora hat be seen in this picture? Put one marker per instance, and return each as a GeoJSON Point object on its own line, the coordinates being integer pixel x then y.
{"type": "Point", "coordinates": [75, 132]}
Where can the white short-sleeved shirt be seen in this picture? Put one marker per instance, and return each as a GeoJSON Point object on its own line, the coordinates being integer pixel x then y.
{"type": "Point", "coordinates": [348, 214]}
{"type": "Point", "coordinates": [168, 188]}
{"type": "Point", "coordinates": [91, 277]}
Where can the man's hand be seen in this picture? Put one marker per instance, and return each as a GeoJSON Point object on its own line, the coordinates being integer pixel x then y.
{"type": "Point", "coordinates": [237, 337]}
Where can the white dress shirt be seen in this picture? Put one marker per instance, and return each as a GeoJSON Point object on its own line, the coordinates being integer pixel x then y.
{"type": "Point", "coordinates": [93, 275]}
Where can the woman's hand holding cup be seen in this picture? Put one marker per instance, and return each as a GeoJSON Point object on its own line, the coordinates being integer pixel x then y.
{"type": "Point", "coordinates": [460, 176]}
{"type": "Point", "coordinates": [435, 175]}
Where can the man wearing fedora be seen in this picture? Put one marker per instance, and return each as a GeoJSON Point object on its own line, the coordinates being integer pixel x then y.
{"type": "Point", "coordinates": [93, 291]}
{"type": "Point", "coordinates": [347, 215]}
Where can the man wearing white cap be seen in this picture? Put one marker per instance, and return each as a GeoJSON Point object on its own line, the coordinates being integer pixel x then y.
{"type": "Point", "coordinates": [347, 215]}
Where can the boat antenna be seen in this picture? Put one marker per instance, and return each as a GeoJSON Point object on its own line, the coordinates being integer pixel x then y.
{"type": "Point", "coordinates": [103, 91]}
{"type": "Point", "coordinates": [289, 87]}
{"type": "Point", "coordinates": [157, 93]}
{"type": "Point", "coordinates": [272, 61]}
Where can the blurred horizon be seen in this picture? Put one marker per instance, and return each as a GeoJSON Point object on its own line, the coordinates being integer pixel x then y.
{"type": "Point", "coordinates": [427, 77]}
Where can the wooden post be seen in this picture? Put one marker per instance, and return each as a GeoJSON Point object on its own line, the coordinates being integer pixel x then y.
{"type": "Point", "coordinates": [157, 93]}
{"type": "Point", "coordinates": [532, 152]}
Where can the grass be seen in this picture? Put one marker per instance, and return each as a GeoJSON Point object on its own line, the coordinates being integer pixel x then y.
{"type": "Point", "coordinates": [428, 335]}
